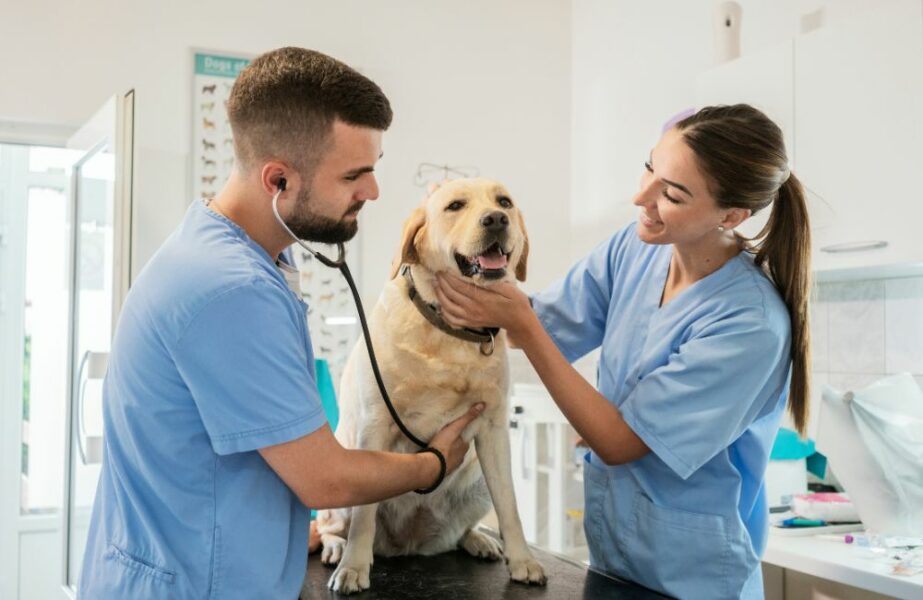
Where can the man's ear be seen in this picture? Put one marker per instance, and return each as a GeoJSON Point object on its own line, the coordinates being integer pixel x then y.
{"type": "Point", "coordinates": [407, 254]}
{"type": "Point", "coordinates": [524, 257]}
{"type": "Point", "coordinates": [275, 171]}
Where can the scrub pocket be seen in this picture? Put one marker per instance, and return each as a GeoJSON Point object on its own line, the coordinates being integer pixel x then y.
{"type": "Point", "coordinates": [682, 553]}
{"type": "Point", "coordinates": [603, 524]}
{"type": "Point", "coordinates": [135, 577]}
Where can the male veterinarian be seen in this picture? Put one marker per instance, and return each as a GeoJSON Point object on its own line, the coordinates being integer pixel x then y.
{"type": "Point", "coordinates": [216, 442]}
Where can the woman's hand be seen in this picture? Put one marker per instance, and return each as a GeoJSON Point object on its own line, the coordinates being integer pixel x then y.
{"type": "Point", "coordinates": [501, 305]}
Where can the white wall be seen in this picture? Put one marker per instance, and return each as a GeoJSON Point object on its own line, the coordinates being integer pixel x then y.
{"type": "Point", "coordinates": [476, 82]}
{"type": "Point", "coordinates": [472, 83]}
{"type": "Point", "coordinates": [634, 66]}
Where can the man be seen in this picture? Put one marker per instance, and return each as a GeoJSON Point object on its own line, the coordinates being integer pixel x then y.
{"type": "Point", "coordinates": [216, 442]}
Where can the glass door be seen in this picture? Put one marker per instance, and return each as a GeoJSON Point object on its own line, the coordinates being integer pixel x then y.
{"type": "Point", "coordinates": [100, 228]}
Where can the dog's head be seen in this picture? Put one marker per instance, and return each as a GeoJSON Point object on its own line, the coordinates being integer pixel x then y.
{"type": "Point", "coordinates": [471, 227]}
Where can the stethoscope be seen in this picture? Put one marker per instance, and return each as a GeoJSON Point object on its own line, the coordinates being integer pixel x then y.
{"type": "Point", "coordinates": [340, 263]}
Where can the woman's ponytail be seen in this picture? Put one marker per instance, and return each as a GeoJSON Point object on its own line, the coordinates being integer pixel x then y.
{"type": "Point", "coordinates": [784, 251]}
{"type": "Point", "coordinates": [742, 152]}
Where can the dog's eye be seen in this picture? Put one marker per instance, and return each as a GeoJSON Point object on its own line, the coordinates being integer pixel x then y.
{"type": "Point", "coordinates": [504, 202]}
{"type": "Point", "coordinates": [456, 205]}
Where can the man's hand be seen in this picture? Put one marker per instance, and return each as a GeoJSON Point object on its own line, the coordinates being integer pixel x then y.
{"type": "Point", "coordinates": [450, 443]}
{"type": "Point", "coordinates": [323, 474]}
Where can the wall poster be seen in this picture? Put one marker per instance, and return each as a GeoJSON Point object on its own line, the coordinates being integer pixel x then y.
{"type": "Point", "coordinates": [331, 312]}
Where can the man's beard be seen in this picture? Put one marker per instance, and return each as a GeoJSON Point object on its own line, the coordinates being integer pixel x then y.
{"type": "Point", "coordinates": [308, 225]}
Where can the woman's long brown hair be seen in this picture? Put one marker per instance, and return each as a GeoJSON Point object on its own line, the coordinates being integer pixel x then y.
{"type": "Point", "coordinates": [742, 153]}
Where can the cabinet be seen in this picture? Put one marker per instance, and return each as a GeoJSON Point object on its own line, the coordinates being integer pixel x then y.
{"type": "Point", "coordinates": [849, 99]}
{"type": "Point", "coordinates": [547, 471]}
{"type": "Point", "coordinates": [764, 80]}
{"type": "Point", "coordinates": [858, 136]}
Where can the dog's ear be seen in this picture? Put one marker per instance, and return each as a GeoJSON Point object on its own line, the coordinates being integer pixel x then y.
{"type": "Point", "coordinates": [524, 257]}
{"type": "Point", "coordinates": [407, 253]}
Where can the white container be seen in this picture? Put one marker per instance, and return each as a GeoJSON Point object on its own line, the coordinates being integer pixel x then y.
{"type": "Point", "coordinates": [785, 478]}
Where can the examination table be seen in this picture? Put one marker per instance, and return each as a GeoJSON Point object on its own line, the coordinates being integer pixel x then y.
{"type": "Point", "coordinates": [459, 576]}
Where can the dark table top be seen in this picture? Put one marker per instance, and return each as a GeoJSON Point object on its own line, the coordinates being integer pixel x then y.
{"type": "Point", "coordinates": [459, 576]}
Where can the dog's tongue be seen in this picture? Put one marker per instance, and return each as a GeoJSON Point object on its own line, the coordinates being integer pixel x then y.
{"type": "Point", "coordinates": [492, 260]}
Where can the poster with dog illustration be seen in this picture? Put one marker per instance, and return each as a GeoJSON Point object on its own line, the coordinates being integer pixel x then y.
{"type": "Point", "coordinates": [331, 314]}
{"type": "Point", "coordinates": [212, 144]}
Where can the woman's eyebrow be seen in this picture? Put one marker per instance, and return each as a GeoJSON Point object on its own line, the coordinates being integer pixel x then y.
{"type": "Point", "coordinates": [679, 186]}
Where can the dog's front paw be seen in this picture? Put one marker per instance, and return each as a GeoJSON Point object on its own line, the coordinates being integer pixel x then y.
{"type": "Point", "coordinates": [479, 545]}
{"type": "Point", "coordinates": [350, 578]}
{"type": "Point", "coordinates": [527, 570]}
{"type": "Point", "coordinates": [333, 549]}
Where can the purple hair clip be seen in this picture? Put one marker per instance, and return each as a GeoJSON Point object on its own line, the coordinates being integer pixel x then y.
{"type": "Point", "coordinates": [677, 118]}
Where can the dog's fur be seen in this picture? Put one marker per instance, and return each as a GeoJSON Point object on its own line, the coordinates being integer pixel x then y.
{"type": "Point", "coordinates": [432, 379]}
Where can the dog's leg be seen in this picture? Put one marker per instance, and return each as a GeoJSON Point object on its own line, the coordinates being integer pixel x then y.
{"type": "Point", "coordinates": [352, 574]}
{"type": "Point", "coordinates": [332, 525]}
{"type": "Point", "coordinates": [481, 545]}
{"type": "Point", "coordinates": [493, 448]}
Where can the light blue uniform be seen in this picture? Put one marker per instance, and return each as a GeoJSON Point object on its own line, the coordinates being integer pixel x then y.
{"type": "Point", "coordinates": [703, 381]}
{"type": "Point", "coordinates": [211, 360]}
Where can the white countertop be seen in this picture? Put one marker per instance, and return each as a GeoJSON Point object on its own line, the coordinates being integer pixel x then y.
{"type": "Point", "coordinates": [838, 561]}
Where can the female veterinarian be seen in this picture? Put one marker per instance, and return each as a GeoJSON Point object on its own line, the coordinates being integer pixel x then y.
{"type": "Point", "coordinates": [700, 335]}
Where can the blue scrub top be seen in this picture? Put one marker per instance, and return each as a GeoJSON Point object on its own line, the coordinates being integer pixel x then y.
{"type": "Point", "coordinates": [211, 361]}
{"type": "Point", "coordinates": [703, 382]}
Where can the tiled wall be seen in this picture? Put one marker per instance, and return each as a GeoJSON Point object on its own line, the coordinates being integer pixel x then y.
{"type": "Point", "coordinates": [865, 330]}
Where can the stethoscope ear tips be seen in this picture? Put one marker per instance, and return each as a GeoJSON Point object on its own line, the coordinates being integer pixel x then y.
{"type": "Point", "coordinates": [281, 184]}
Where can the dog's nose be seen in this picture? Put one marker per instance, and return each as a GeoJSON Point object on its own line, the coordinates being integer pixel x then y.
{"type": "Point", "coordinates": [495, 221]}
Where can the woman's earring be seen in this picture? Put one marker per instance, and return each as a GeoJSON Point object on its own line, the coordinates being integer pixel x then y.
{"type": "Point", "coordinates": [720, 227]}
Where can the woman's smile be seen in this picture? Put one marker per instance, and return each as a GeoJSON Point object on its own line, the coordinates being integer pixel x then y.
{"type": "Point", "coordinates": [648, 221]}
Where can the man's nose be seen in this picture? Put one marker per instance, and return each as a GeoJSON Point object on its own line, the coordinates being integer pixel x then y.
{"type": "Point", "coordinates": [495, 221]}
{"type": "Point", "coordinates": [371, 193]}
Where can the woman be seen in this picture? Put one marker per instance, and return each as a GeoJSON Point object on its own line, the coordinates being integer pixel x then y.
{"type": "Point", "coordinates": [701, 332]}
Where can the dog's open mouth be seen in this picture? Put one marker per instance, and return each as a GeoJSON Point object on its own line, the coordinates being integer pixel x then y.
{"type": "Point", "coordinates": [491, 263]}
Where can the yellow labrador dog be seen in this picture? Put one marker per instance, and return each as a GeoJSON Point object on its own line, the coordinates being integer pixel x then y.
{"type": "Point", "coordinates": [434, 374]}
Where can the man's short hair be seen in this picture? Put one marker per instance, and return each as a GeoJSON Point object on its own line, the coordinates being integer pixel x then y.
{"type": "Point", "coordinates": [284, 103]}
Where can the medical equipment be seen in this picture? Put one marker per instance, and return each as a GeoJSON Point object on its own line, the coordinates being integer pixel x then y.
{"type": "Point", "coordinates": [340, 263]}
{"type": "Point", "coordinates": [873, 438]}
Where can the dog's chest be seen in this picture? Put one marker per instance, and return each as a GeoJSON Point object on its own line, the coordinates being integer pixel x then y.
{"type": "Point", "coordinates": [430, 374]}
{"type": "Point", "coordinates": [457, 372]}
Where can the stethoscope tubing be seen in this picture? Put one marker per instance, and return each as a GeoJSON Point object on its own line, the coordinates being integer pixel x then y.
{"type": "Point", "coordinates": [340, 263]}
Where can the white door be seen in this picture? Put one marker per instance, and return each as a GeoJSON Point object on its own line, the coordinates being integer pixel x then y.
{"type": "Point", "coordinates": [100, 234]}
